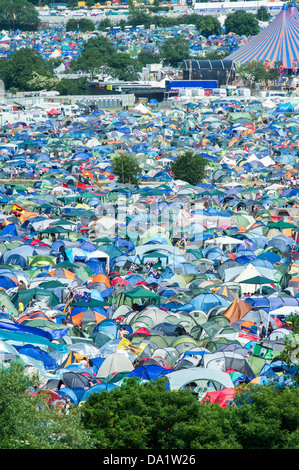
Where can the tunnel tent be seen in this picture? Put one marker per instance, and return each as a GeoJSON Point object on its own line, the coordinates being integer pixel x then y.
{"type": "Point", "coordinates": [206, 378]}
{"type": "Point", "coordinates": [228, 360]}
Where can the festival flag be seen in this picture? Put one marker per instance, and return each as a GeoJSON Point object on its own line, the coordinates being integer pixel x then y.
{"type": "Point", "coordinates": [17, 210]}
{"type": "Point", "coordinates": [17, 106]}
{"type": "Point", "coordinates": [87, 173]}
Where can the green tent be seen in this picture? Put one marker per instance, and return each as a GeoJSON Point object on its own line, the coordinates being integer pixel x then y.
{"type": "Point", "coordinates": [41, 261]}
{"type": "Point", "coordinates": [90, 304]}
{"type": "Point", "coordinates": [262, 351]}
{"type": "Point", "coordinates": [57, 230]}
{"type": "Point", "coordinates": [34, 294]}
{"type": "Point", "coordinates": [139, 293]}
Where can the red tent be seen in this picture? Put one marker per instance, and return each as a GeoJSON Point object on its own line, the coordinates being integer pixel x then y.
{"type": "Point", "coordinates": [54, 112]}
{"type": "Point", "coordinates": [222, 397]}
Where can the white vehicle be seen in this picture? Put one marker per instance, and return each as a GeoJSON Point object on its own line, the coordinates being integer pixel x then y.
{"type": "Point", "coordinates": [69, 110]}
{"type": "Point", "coordinates": [49, 93]}
{"type": "Point", "coordinates": [18, 116]}
{"type": "Point", "coordinates": [79, 13]}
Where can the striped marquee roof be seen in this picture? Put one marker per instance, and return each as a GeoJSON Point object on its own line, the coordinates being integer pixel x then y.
{"type": "Point", "coordinates": [277, 42]}
{"type": "Point", "coordinates": [294, 13]}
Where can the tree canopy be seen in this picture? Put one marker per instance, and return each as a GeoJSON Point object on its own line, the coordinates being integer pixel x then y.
{"type": "Point", "coordinates": [148, 416]}
{"type": "Point", "coordinates": [257, 71]}
{"type": "Point", "coordinates": [174, 50]}
{"type": "Point", "coordinates": [208, 25]}
{"type": "Point", "coordinates": [242, 23]}
{"type": "Point", "coordinates": [145, 415]}
{"type": "Point", "coordinates": [82, 24]}
{"type": "Point", "coordinates": [18, 14]}
{"type": "Point", "coordinates": [262, 14]}
{"type": "Point", "coordinates": [126, 167]}
{"type": "Point", "coordinates": [19, 69]}
{"type": "Point", "coordinates": [28, 422]}
{"type": "Point", "coordinates": [99, 52]}
{"type": "Point", "coordinates": [189, 167]}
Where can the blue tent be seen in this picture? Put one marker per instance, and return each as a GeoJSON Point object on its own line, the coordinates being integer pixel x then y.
{"type": "Point", "coordinates": [75, 394]}
{"type": "Point", "coordinates": [99, 388]}
{"type": "Point", "coordinates": [150, 372]}
{"type": "Point", "coordinates": [206, 302]}
{"type": "Point", "coordinates": [38, 354]}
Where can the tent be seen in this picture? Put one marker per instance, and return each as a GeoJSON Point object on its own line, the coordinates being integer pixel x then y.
{"type": "Point", "coordinates": [278, 42]}
{"type": "Point", "coordinates": [215, 378]}
{"type": "Point", "coordinates": [139, 293]}
{"type": "Point", "coordinates": [117, 362]}
{"type": "Point", "coordinates": [236, 310]}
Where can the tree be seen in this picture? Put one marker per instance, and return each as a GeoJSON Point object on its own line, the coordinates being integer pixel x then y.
{"type": "Point", "coordinates": [28, 422]}
{"type": "Point", "coordinates": [138, 16]}
{"type": "Point", "coordinates": [86, 24]}
{"type": "Point", "coordinates": [105, 23]}
{"type": "Point", "coordinates": [290, 354]}
{"type": "Point", "coordinates": [208, 25]}
{"type": "Point", "coordinates": [67, 86]}
{"type": "Point", "coordinates": [138, 416]}
{"type": "Point", "coordinates": [42, 82]}
{"type": "Point", "coordinates": [17, 70]}
{"type": "Point", "coordinates": [146, 57]}
{"type": "Point", "coordinates": [18, 14]}
{"type": "Point", "coordinates": [268, 411]}
{"type": "Point", "coordinates": [242, 23]}
{"type": "Point", "coordinates": [148, 416]}
{"type": "Point", "coordinates": [127, 169]}
{"type": "Point", "coordinates": [72, 25]}
{"type": "Point", "coordinates": [189, 167]}
{"type": "Point", "coordinates": [215, 55]}
{"type": "Point", "coordinates": [175, 50]}
{"type": "Point", "coordinates": [123, 67]}
{"type": "Point", "coordinates": [99, 52]}
{"type": "Point", "coordinates": [256, 71]}
{"type": "Point", "coordinates": [83, 25]}
{"type": "Point", "coordinates": [72, 4]}
{"type": "Point", "coordinates": [262, 14]}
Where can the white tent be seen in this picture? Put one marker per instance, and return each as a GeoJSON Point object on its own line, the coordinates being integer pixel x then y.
{"type": "Point", "coordinates": [221, 241]}
{"type": "Point", "coordinates": [98, 255]}
{"type": "Point", "coordinates": [213, 378]}
{"type": "Point", "coordinates": [269, 104]}
{"type": "Point", "coordinates": [55, 54]}
{"type": "Point", "coordinates": [142, 109]}
{"type": "Point", "coordinates": [117, 362]}
{"type": "Point", "coordinates": [286, 310]}
{"type": "Point", "coordinates": [249, 272]}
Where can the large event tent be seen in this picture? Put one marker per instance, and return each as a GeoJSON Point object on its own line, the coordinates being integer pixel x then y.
{"type": "Point", "coordinates": [277, 42]}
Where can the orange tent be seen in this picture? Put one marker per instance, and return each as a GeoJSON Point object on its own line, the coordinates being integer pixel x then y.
{"type": "Point", "coordinates": [87, 316]}
{"type": "Point", "coordinates": [61, 272]}
{"type": "Point", "coordinates": [232, 142]}
{"type": "Point", "coordinates": [290, 172]}
{"type": "Point", "coordinates": [236, 310]}
{"type": "Point", "coordinates": [27, 215]}
{"type": "Point", "coordinates": [101, 279]}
